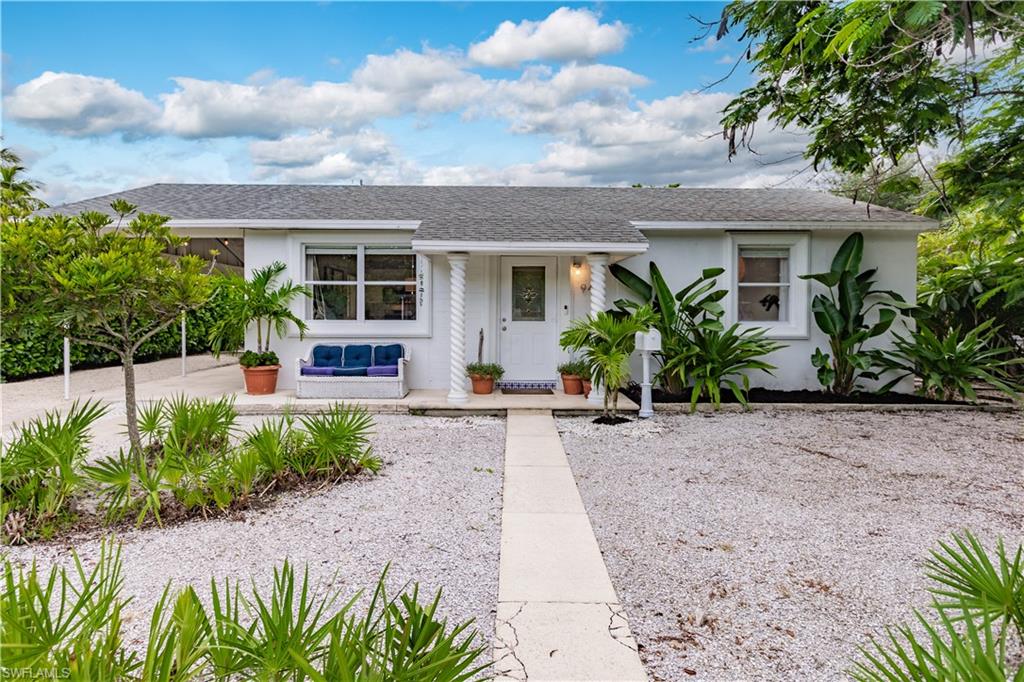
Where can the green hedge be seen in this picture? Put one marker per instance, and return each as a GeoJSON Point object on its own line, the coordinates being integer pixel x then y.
{"type": "Point", "coordinates": [27, 351]}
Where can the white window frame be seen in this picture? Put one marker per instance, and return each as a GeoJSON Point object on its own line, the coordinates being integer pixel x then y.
{"type": "Point", "coordinates": [361, 327]}
{"type": "Point", "coordinates": [797, 326]}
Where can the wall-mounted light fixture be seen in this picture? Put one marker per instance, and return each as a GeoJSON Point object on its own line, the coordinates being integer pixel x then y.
{"type": "Point", "coordinates": [580, 276]}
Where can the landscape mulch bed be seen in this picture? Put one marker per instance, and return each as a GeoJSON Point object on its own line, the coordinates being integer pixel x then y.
{"type": "Point", "coordinates": [765, 395]}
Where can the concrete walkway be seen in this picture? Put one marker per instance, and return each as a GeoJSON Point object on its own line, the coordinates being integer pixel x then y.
{"type": "Point", "coordinates": [558, 617]}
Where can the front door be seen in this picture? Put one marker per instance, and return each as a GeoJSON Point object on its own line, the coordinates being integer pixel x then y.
{"type": "Point", "coordinates": [528, 329]}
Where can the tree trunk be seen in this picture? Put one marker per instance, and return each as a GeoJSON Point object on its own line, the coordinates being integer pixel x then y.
{"type": "Point", "coordinates": [131, 411]}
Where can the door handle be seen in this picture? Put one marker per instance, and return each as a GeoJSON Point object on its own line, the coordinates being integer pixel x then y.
{"type": "Point", "coordinates": [504, 328]}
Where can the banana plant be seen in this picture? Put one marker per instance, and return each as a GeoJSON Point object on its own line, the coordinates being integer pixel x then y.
{"type": "Point", "coordinates": [671, 312]}
{"type": "Point", "coordinates": [842, 315]}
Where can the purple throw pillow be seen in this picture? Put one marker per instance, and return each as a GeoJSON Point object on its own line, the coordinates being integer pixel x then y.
{"type": "Point", "coordinates": [318, 371]}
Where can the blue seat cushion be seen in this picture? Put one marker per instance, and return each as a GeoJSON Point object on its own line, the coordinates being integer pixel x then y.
{"type": "Point", "coordinates": [327, 356]}
{"type": "Point", "coordinates": [350, 371]}
{"type": "Point", "coordinates": [382, 371]}
{"type": "Point", "coordinates": [358, 356]}
{"type": "Point", "coordinates": [387, 355]}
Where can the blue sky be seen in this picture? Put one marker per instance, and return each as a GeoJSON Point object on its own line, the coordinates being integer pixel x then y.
{"type": "Point", "coordinates": [103, 96]}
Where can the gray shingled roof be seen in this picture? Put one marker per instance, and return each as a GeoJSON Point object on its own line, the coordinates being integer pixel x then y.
{"type": "Point", "coordinates": [558, 214]}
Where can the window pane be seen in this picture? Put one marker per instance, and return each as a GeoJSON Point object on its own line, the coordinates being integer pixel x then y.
{"type": "Point", "coordinates": [763, 304]}
{"type": "Point", "coordinates": [396, 267]}
{"type": "Point", "coordinates": [330, 267]}
{"type": "Point", "coordinates": [764, 265]}
{"type": "Point", "coordinates": [528, 294]}
{"type": "Point", "coordinates": [390, 302]}
{"type": "Point", "coordinates": [332, 302]}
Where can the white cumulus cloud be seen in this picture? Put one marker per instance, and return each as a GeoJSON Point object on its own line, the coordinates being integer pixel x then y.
{"type": "Point", "coordinates": [564, 35]}
{"type": "Point", "coordinates": [78, 105]}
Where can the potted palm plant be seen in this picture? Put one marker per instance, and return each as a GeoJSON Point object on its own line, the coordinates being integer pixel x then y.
{"type": "Point", "coordinates": [606, 342]}
{"type": "Point", "coordinates": [483, 375]}
{"type": "Point", "coordinates": [259, 301]}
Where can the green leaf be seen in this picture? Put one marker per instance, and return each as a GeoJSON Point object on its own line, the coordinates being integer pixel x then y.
{"type": "Point", "coordinates": [848, 257]}
{"type": "Point", "coordinates": [632, 281]}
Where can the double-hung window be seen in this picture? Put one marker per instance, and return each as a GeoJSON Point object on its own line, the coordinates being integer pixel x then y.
{"type": "Point", "coordinates": [364, 283]}
{"type": "Point", "coordinates": [762, 281]}
{"type": "Point", "coordinates": [765, 288]}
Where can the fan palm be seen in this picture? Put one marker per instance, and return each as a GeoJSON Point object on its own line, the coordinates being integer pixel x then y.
{"type": "Point", "coordinates": [606, 341]}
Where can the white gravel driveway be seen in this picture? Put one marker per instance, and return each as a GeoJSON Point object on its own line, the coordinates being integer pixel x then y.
{"type": "Point", "coordinates": [767, 546]}
{"type": "Point", "coordinates": [434, 512]}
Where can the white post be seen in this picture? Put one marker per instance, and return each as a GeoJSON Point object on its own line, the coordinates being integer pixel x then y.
{"type": "Point", "coordinates": [598, 263]}
{"type": "Point", "coordinates": [184, 347]}
{"type": "Point", "coordinates": [67, 368]}
{"type": "Point", "coordinates": [457, 328]}
{"type": "Point", "coordinates": [646, 404]}
{"type": "Point", "coordinates": [647, 342]}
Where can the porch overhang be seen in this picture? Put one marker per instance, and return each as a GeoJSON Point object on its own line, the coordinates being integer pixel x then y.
{"type": "Point", "coordinates": [527, 248]}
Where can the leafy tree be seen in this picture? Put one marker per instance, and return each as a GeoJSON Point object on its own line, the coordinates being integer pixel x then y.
{"type": "Point", "coordinates": [901, 187]}
{"type": "Point", "coordinates": [102, 282]}
{"type": "Point", "coordinates": [877, 82]}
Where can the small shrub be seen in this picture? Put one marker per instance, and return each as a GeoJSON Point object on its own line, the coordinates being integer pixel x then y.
{"type": "Point", "coordinates": [253, 359]}
{"type": "Point", "coordinates": [486, 370]}
{"type": "Point", "coordinates": [337, 442]}
{"type": "Point", "coordinates": [59, 622]}
{"type": "Point", "coordinates": [199, 423]}
{"type": "Point", "coordinates": [977, 629]}
{"type": "Point", "coordinates": [72, 622]}
{"type": "Point", "coordinates": [40, 471]}
{"type": "Point", "coordinates": [950, 365]}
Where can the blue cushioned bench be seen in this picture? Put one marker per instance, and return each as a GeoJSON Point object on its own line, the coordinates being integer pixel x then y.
{"type": "Point", "coordinates": [355, 370]}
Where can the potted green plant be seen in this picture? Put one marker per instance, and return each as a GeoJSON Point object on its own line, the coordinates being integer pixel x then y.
{"type": "Point", "coordinates": [572, 376]}
{"type": "Point", "coordinates": [261, 302]}
{"type": "Point", "coordinates": [483, 375]}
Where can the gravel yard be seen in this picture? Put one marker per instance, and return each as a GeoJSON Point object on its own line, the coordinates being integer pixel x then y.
{"type": "Point", "coordinates": [769, 545]}
{"type": "Point", "coordinates": [434, 512]}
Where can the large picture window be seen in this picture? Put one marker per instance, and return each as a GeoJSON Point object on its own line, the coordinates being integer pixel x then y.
{"type": "Point", "coordinates": [362, 283]}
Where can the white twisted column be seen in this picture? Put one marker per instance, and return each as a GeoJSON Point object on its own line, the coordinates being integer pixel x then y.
{"type": "Point", "coordinates": [598, 263]}
{"type": "Point", "coordinates": [457, 327]}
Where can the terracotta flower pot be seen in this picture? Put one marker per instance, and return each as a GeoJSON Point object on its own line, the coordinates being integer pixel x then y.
{"type": "Point", "coordinates": [572, 384]}
{"type": "Point", "coordinates": [586, 387]}
{"type": "Point", "coordinates": [482, 385]}
{"type": "Point", "coordinates": [261, 380]}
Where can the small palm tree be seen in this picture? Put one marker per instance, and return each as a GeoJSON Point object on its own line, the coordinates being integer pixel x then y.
{"type": "Point", "coordinates": [17, 200]}
{"type": "Point", "coordinates": [606, 342]}
{"type": "Point", "coordinates": [258, 301]}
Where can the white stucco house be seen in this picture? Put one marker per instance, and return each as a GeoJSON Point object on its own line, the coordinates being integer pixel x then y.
{"type": "Point", "coordinates": [439, 268]}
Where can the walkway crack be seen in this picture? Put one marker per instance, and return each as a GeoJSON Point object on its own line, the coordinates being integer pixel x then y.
{"type": "Point", "coordinates": [511, 648]}
{"type": "Point", "coordinates": [620, 632]}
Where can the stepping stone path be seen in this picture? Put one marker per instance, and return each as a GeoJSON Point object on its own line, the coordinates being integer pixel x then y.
{"type": "Point", "coordinates": [558, 617]}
